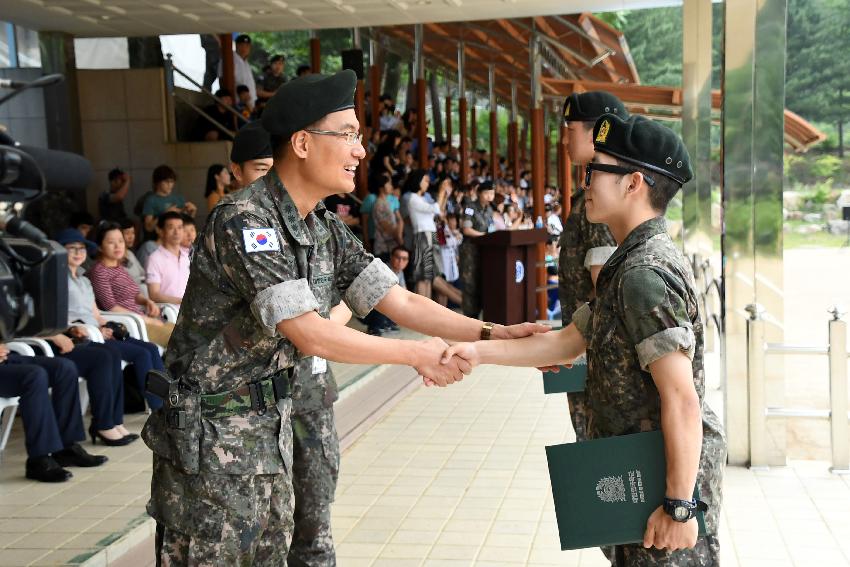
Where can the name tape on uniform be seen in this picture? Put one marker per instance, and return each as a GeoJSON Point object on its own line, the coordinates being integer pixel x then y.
{"type": "Point", "coordinates": [260, 239]}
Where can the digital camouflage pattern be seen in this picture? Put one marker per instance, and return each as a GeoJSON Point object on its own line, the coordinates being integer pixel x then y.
{"type": "Point", "coordinates": [226, 338]}
{"type": "Point", "coordinates": [575, 286]}
{"type": "Point", "coordinates": [476, 217]}
{"type": "Point", "coordinates": [647, 307]}
{"type": "Point", "coordinates": [315, 474]}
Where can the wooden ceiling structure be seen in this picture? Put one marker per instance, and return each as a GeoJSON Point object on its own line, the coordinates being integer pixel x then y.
{"type": "Point", "coordinates": [580, 52]}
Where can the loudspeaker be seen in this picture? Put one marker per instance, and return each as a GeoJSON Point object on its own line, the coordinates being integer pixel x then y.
{"type": "Point", "coordinates": [353, 59]}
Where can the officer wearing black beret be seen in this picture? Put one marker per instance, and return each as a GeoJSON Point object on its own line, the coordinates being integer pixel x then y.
{"type": "Point", "coordinates": [644, 340]}
{"type": "Point", "coordinates": [584, 247]}
{"type": "Point", "coordinates": [251, 154]}
{"type": "Point", "coordinates": [270, 264]}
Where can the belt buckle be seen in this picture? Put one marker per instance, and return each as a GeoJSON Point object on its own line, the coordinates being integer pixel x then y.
{"type": "Point", "coordinates": [258, 401]}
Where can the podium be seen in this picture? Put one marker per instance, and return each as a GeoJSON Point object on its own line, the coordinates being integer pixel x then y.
{"type": "Point", "coordinates": [508, 263]}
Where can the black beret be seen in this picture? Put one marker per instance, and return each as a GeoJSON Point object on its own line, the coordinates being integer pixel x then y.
{"type": "Point", "coordinates": [486, 185]}
{"type": "Point", "coordinates": [305, 100]}
{"type": "Point", "coordinates": [251, 142]}
{"type": "Point", "coordinates": [588, 107]}
{"type": "Point", "coordinates": [644, 143]}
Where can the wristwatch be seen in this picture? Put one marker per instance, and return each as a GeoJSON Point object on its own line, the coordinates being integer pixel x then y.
{"type": "Point", "coordinates": [486, 329]}
{"type": "Point", "coordinates": [683, 510]}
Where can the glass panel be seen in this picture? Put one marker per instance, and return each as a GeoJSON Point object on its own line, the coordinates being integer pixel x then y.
{"type": "Point", "coordinates": [29, 54]}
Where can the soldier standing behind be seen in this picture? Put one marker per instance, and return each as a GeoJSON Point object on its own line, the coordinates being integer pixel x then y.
{"type": "Point", "coordinates": [585, 246]}
{"type": "Point", "coordinates": [269, 265]}
{"type": "Point", "coordinates": [477, 221]}
{"type": "Point", "coordinates": [644, 340]}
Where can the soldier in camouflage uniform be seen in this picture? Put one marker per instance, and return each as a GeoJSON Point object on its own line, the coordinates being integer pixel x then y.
{"type": "Point", "coordinates": [584, 246]}
{"type": "Point", "coordinates": [270, 263]}
{"type": "Point", "coordinates": [477, 221]}
{"type": "Point", "coordinates": [644, 340]}
{"type": "Point", "coordinates": [314, 391]}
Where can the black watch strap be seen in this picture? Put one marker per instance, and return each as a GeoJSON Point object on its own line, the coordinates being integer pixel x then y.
{"type": "Point", "coordinates": [676, 508]}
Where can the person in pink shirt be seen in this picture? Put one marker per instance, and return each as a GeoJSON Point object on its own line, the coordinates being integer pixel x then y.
{"type": "Point", "coordinates": [167, 270]}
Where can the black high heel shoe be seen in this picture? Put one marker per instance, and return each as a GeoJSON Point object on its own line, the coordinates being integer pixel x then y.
{"type": "Point", "coordinates": [95, 435]}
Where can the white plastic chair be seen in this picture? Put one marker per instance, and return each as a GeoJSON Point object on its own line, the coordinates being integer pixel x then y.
{"type": "Point", "coordinates": [169, 311]}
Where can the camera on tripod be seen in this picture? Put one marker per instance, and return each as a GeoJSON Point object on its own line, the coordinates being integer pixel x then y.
{"type": "Point", "coordinates": [33, 269]}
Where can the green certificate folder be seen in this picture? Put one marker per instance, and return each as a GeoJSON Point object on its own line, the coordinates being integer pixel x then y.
{"type": "Point", "coordinates": [606, 489]}
{"type": "Point", "coordinates": [567, 379]}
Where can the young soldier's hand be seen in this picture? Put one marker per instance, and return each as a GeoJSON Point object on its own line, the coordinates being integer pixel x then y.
{"type": "Point", "coordinates": [431, 367]}
{"type": "Point", "coordinates": [662, 532]}
{"type": "Point", "coordinates": [465, 351]}
{"type": "Point", "coordinates": [518, 331]}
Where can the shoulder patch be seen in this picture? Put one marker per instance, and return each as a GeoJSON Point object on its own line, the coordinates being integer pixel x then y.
{"type": "Point", "coordinates": [260, 239]}
{"type": "Point", "coordinates": [469, 211]}
{"type": "Point", "coordinates": [643, 289]}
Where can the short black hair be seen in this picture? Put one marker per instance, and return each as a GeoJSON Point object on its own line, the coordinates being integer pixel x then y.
{"type": "Point", "coordinates": [399, 248]}
{"type": "Point", "coordinates": [115, 173]}
{"type": "Point", "coordinates": [81, 217]}
{"type": "Point", "coordinates": [221, 93]}
{"type": "Point", "coordinates": [278, 57]}
{"type": "Point", "coordinates": [163, 173]}
{"type": "Point", "coordinates": [242, 89]}
{"type": "Point", "coordinates": [167, 216]}
{"type": "Point", "coordinates": [302, 69]}
{"type": "Point", "coordinates": [188, 220]}
{"type": "Point", "coordinates": [126, 223]}
{"type": "Point", "coordinates": [662, 192]}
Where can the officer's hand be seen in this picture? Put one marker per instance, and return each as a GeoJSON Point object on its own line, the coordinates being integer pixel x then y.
{"type": "Point", "coordinates": [518, 331]}
{"type": "Point", "coordinates": [663, 532]}
{"type": "Point", "coordinates": [430, 367]}
{"type": "Point", "coordinates": [4, 353]}
{"type": "Point", "coordinates": [63, 343]}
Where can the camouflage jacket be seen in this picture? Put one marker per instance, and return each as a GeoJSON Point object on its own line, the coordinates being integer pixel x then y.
{"type": "Point", "coordinates": [477, 217]}
{"type": "Point", "coordinates": [258, 263]}
{"type": "Point", "coordinates": [583, 244]}
{"type": "Point", "coordinates": [646, 308]}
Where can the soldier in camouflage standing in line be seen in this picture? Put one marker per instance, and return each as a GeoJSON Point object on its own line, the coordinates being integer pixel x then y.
{"type": "Point", "coordinates": [477, 221]}
{"type": "Point", "coordinates": [270, 264]}
{"type": "Point", "coordinates": [315, 454]}
{"type": "Point", "coordinates": [584, 246]}
{"type": "Point", "coordinates": [644, 340]}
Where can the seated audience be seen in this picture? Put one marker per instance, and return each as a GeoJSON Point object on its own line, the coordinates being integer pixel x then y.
{"type": "Point", "coordinates": [135, 268]}
{"type": "Point", "coordinates": [167, 270]}
{"type": "Point", "coordinates": [388, 223]}
{"type": "Point", "coordinates": [163, 199]}
{"type": "Point", "coordinates": [190, 234]}
{"type": "Point", "coordinates": [110, 204]}
{"type": "Point", "coordinates": [218, 180]}
{"type": "Point", "coordinates": [53, 424]}
{"type": "Point", "coordinates": [244, 102]}
{"type": "Point", "coordinates": [82, 308]}
{"type": "Point", "coordinates": [208, 131]}
{"type": "Point", "coordinates": [376, 322]}
{"type": "Point", "coordinates": [82, 221]}
{"type": "Point", "coordinates": [345, 207]}
{"type": "Point", "coordinates": [115, 290]}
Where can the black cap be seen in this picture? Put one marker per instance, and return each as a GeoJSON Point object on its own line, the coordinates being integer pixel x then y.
{"type": "Point", "coordinates": [251, 142]}
{"type": "Point", "coordinates": [306, 100]}
{"type": "Point", "coordinates": [644, 143]}
{"type": "Point", "coordinates": [588, 107]}
{"type": "Point", "coordinates": [278, 57]}
{"type": "Point", "coordinates": [243, 38]}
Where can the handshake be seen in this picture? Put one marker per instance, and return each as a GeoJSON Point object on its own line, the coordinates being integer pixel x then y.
{"type": "Point", "coordinates": [441, 364]}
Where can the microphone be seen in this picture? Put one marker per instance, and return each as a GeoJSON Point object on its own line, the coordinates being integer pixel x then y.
{"type": "Point", "coordinates": [17, 226]}
{"type": "Point", "coordinates": [39, 82]}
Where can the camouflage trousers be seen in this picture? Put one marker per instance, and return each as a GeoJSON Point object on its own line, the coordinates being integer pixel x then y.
{"type": "Point", "coordinates": [706, 553]}
{"type": "Point", "coordinates": [226, 520]}
{"type": "Point", "coordinates": [577, 402]}
{"type": "Point", "coordinates": [315, 472]}
{"type": "Point", "coordinates": [470, 276]}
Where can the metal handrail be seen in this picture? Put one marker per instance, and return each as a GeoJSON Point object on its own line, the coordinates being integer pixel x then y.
{"type": "Point", "coordinates": [170, 69]}
{"type": "Point", "coordinates": [759, 412]}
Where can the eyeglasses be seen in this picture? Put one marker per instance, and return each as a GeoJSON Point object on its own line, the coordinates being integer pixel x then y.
{"type": "Point", "coordinates": [351, 138]}
{"type": "Point", "coordinates": [75, 249]}
{"type": "Point", "coordinates": [605, 168]}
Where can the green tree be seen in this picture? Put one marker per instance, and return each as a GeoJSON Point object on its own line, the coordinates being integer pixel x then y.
{"type": "Point", "coordinates": [818, 70]}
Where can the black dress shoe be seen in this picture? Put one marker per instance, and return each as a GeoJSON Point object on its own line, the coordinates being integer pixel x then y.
{"type": "Point", "coordinates": [46, 469]}
{"type": "Point", "coordinates": [131, 437]}
{"type": "Point", "coordinates": [96, 435]}
{"type": "Point", "coordinates": [76, 456]}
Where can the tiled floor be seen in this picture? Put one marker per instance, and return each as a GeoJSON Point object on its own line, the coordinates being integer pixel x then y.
{"type": "Point", "coordinates": [450, 477]}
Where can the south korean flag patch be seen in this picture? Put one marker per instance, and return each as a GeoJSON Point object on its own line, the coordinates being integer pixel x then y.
{"type": "Point", "coordinates": [260, 239]}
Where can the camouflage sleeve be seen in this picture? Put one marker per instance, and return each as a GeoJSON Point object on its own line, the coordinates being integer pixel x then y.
{"type": "Point", "coordinates": [581, 319]}
{"type": "Point", "coordinates": [268, 279]}
{"type": "Point", "coordinates": [468, 214]}
{"type": "Point", "coordinates": [655, 316]}
{"type": "Point", "coordinates": [361, 279]}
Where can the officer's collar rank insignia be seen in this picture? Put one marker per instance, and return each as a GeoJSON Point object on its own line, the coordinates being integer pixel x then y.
{"type": "Point", "coordinates": [602, 135]}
